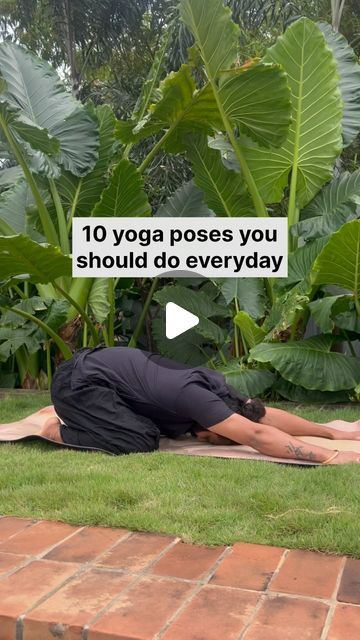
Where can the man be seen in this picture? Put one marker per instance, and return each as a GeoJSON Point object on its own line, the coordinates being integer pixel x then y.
{"type": "Point", "coordinates": [121, 400]}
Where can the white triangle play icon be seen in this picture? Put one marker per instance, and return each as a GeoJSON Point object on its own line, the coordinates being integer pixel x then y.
{"type": "Point", "coordinates": [178, 320]}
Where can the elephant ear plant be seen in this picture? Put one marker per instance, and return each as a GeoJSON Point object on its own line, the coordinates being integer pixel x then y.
{"type": "Point", "coordinates": [261, 139]}
{"type": "Point", "coordinates": [324, 81]}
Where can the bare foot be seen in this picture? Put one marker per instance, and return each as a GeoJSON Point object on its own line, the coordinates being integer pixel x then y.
{"type": "Point", "coordinates": [51, 430]}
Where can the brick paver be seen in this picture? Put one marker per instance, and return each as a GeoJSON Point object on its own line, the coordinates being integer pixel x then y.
{"type": "Point", "coordinates": [349, 590]}
{"type": "Point", "coordinates": [249, 566]}
{"type": "Point", "coordinates": [345, 624]}
{"type": "Point", "coordinates": [188, 561]}
{"type": "Point", "coordinates": [72, 583]}
{"type": "Point", "coordinates": [308, 574]}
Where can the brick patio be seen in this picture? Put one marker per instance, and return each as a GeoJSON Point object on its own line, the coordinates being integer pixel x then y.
{"type": "Point", "coordinates": [87, 583]}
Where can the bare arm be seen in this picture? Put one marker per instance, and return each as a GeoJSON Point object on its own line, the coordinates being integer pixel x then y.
{"type": "Point", "coordinates": [297, 426]}
{"type": "Point", "coordinates": [268, 440]}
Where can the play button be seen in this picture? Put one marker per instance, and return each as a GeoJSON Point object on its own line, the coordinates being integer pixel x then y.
{"type": "Point", "coordinates": [178, 320]}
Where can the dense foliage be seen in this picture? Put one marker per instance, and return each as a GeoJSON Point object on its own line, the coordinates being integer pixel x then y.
{"type": "Point", "coordinates": [261, 138]}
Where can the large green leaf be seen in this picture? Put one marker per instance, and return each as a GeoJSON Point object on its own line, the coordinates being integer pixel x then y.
{"type": "Point", "coordinates": [349, 72]}
{"type": "Point", "coordinates": [310, 363]}
{"type": "Point", "coordinates": [150, 86]}
{"type": "Point", "coordinates": [12, 339]}
{"type": "Point", "coordinates": [251, 333]}
{"type": "Point", "coordinates": [254, 98]}
{"type": "Point", "coordinates": [250, 382]}
{"type": "Point", "coordinates": [9, 176]}
{"type": "Point", "coordinates": [331, 208]}
{"type": "Point", "coordinates": [224, 191]}
{"type": "Point", "coordinates": [124, 196]}
{"type": "Point", "coordinates": [84, 193]}
{"type": "Point", "coordinates": [215, 33]}
{"type": "Point", "coordinates": [21, 127]}
{"type": "Point", "coordinates": [33, 87]}
{"type": "Point", "coordinates": [54, 316]}
{"type": "Point", "coordinates": [339, 261]}
{"type": "Point", "coordinates": [188, 348]}
{"type": "Point", "coordinates": [179, 109]}
{"type": "Point", "coordinates": [314, 139]}
{"type": "Point", "coordinates": [200, 304]}
{"type": "Point", "coordinates": [249, 292]}
{"type": "Point", "coordinates": [326, 309]}
{"type": "Point", "coordinates": [186, 202]}
{"type": "Point", "coordinates": [295, 393]}
{"type": "Point", "coordinates": [250, 99]}
{"type": "Point", "coordinates": [194, 301]}
{"type": "Point", "coordinates": [301, 262]}
{"type": "Point", "coordinates": [20, 256]}
{"type": "Point", "coordinates": [99, 300]}
{"type": "Point", "coordinates": [13, 205]}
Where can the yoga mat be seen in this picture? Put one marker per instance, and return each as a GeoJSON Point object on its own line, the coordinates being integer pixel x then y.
{"type": "Point", "coordinates": [30, 427]}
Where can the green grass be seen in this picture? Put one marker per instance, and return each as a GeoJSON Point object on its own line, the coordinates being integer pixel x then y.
{"type": "Point", "coordinates": [201, 500]}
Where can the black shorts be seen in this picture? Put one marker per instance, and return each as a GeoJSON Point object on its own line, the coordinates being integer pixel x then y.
{"type": "Point", "coordinates": [95, 416]}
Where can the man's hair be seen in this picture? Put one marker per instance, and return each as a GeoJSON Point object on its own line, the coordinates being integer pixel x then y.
{"type": "Point", "coordinates": [252, 409]}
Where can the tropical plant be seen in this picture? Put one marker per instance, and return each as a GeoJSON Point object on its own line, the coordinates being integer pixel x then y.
{"type": "Point", "coordinates": [258, 137]}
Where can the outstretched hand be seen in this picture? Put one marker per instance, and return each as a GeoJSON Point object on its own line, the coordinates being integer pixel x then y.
{"type": "Point", "coordinates": [346, 457]}
{"type": "Point", "coordinates": [342, 430]}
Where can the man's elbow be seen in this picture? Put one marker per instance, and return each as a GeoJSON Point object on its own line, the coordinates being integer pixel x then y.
{"type": "Point", "coordinates": [253, 436]}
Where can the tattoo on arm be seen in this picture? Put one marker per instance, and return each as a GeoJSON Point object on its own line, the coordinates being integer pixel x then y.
{"type": "Point", "coordinates": [299, 454]}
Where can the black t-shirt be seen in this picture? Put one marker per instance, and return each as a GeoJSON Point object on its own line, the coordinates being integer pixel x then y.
{"type": "Point", "coordinates": [173, 395]}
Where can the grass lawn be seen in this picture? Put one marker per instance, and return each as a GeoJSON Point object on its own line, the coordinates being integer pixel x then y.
{"type": "Point", "coordinates": [201, 500]}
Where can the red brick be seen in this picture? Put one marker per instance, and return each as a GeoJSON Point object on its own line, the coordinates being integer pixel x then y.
{"type": "Point", "coordinates": [282, 618]}
{"type": "Point", "coordinates": [214, 613]}
{"type": "Point", "coordinates": [249, 566]}
{"type": "Point", "coordinates": [9, 561]}
{"type": "Point", "coordinates": [9, 526]}
{"type": "Point", "coordinates": [74, 605]}
{"type": "Point", "coordinates": [38, 538]}
{"type": "Point", "coordinates": [308, 573]}
{"type": "Point", "coordinates": [142, 611]}
{"type": "Point", "coordinates": [7, 628]}
{"type": "Point", "coordinates": [86, 544]}
{"type": "Point", "coordinates": [345, 623]}
{"type": "Point", "coordinates": [23, 589]}
{"type": "Point", "coordinates": [136, 552]}
{"type": "Point", "coordinates": [349, 590]}
{"type": "Point", "coordinates": [187, 561]}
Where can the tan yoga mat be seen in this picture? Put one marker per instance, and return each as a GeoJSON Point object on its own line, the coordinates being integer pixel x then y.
{"type": "Point", "coordinates": [30, 427]}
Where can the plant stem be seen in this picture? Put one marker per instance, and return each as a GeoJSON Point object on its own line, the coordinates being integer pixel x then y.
{"type": "Point", "coordinates": [74, 205]}
{"type": "Point", "coordinates": [47, 223]}
{"type": "Point", "coordinates": [221, 354]}
{"type": "Point", "coordinates": [48, 363]}
{"type": "Point", "coordinates": [270, 289]}
{"type": "Point", "coordinates": [58, 341]}
{"type": "Point", "coordinates": [357, 305]}
{"type": "Point", "coordinates": [85, 333]}
{"type": "Point", "coordinates": [79, 291]}
{"type": "Point", "coordinates": [156, 148]}
{"type": "Point", "coordinates": [111, 333]}
{"type": "Point", "coordinates": [135, 336]}
{"type": "Point", "coordinates": [352, 350]}
{"type": "Point", "coordinates": [293, 211]}
{"type": "Point", "coordinates": [259, 205]}
{"type": "Point", "coordinates": [236, 332]}
{"type": "Point", "coordinates": [64, 238]}
{"type": "Point", "coordinates": [18, 291]}
{"type": "Point", "coordinates": [105, 335]}
{"type": "Point", "coordinates": [81, 311]}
